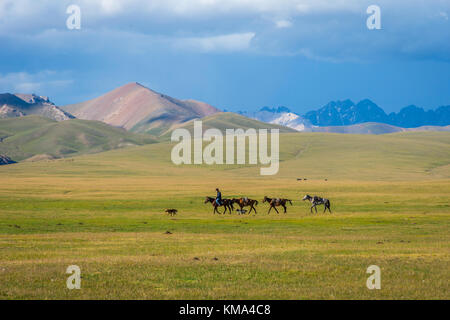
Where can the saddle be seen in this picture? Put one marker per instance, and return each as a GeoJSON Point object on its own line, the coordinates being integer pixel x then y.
{"type": "Point", "coordinates": [318, 200]}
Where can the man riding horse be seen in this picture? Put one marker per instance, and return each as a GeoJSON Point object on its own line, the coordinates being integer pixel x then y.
{"type": "Point", "coordinates": [219, 202]}
{"type": "Point", "coordinates": [219, 197]}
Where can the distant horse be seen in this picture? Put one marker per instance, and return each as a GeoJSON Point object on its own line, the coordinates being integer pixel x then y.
{"type": "Point", "coordinates": [246, 202]}
{"type": "Point", "coordinates": [315, 201]}
{"type": "Point", "coordinates": [275, 202]}
{"type": "Point", "coordinates": [226, 203]}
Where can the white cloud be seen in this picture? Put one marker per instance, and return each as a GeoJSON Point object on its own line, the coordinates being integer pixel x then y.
{"type": "Point", "coordinates": [24, 82]}
{"type": "Point", "coordinates": [220, 43]}
{"type": "Point", "coordinates": [18, 12]}
{"type": "Point", "coordinates": [111, 7]}
{"type": "Point", "coordinates": [332, 29]}
{"type": "Point", "coordinates": [200, 8]}
{"type": "Point", "coordinates": [283, 24]}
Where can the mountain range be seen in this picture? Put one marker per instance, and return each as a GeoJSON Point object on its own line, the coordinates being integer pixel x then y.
{"type": "Point", "coordinates": [137, 108]}
{"type": "Point", "coordinates": [341, 113]}
{"type": "Point", "coordinates": [34, 128]}
{"type": "Point", "coordinates": [344, 113]}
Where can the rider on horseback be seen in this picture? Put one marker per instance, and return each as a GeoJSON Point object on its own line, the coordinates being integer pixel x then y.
{"type": "Point", "coordinates": [218, 197]}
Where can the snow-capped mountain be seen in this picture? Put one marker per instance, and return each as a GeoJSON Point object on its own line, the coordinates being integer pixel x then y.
{"type": "Point", "coordinates": [281, 116]}
{"type": "Point", "coordinates": [338, 113]}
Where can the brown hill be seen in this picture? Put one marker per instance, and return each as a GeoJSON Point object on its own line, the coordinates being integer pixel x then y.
{"type": "Point", "coordinates": [140, 109]}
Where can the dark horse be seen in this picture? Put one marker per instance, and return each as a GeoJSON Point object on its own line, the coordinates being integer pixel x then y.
{"type": "Point", "coordinates": [275, 202]}
{"type": "Point", "coordinates": [246, 202]}
{"type": "Point", "coordinates": [226, 203]}
{"type": "Point", "coordinates": [315, 201]}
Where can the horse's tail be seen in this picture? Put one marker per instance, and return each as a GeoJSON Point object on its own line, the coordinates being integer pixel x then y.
{"type": "Point", "coordinates": [290, 202]}
{"type": "Point", "coordinates": [256, 202]}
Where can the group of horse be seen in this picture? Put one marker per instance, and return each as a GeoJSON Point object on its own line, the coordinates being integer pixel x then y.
{"type": "Point", "coordinates": [228, 204]}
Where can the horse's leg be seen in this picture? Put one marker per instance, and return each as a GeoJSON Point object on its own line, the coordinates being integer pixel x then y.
{"type": "Point", "coordinates": [270, 209]}
{"type": "Point", "coordinates": [284, 206]}
{"type": "Point", "coordinates": [315, 208]}
{"type": "Point", "coordinates": [312, 208]}
{"type": "Point", "coordinates": [276, 210]}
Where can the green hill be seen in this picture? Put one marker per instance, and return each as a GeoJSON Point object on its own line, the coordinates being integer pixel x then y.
{"type": "Point", "coordinates": [399, 156]}
{"type": "Point", "coordinates": [229, 120]}
{"type": "Point", "coordinates": [37, 137]}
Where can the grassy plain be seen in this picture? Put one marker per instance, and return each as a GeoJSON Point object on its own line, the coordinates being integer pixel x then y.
{"type": "Point", "coordinates": [390, 198]}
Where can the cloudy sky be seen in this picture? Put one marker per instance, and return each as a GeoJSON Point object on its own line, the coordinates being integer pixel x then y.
{"type": "Point", "coordinates": [233, 54]}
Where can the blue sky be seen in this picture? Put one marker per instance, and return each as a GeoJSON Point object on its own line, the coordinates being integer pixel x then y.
{"type": "Point", "coordinates": [233, 54]}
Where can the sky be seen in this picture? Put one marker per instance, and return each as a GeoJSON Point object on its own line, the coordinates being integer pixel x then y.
{"type": "Point", "coordinates": [233, 54]}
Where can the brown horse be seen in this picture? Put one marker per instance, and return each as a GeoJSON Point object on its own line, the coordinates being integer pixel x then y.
{"type": "Point", "coordinates": [226, 203]}
{"type": "Point", "coordinates": [275, 202]}
{"type": "Point", "coordinates": [246, 202]}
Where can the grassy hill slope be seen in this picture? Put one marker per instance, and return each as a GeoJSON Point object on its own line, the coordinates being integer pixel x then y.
{"type": "Point", "coordinates": [31, 136]}
{"type": "Point", "coordinates": [229, 120]}
{"type": "Point", "coordinates": [400, 156]}
{"type": "Point", "coordinates": [375, 128]}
